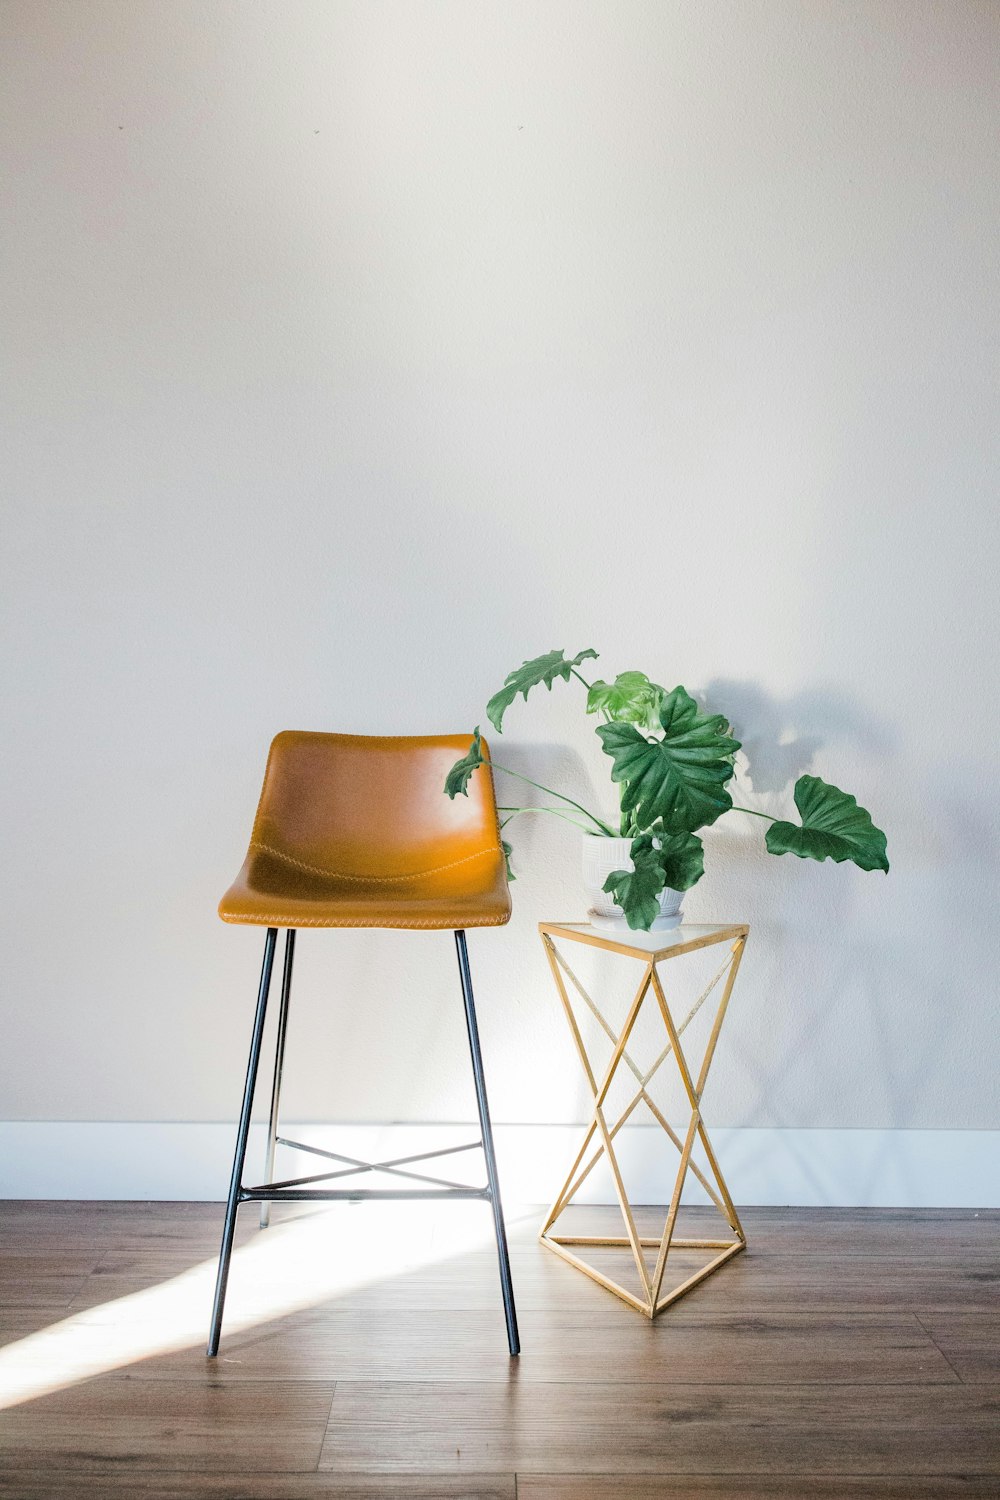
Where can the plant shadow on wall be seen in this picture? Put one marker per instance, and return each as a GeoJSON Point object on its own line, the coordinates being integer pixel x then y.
{"type": "Point", "coordinates": [845, 982]}
{"type": "Point", "coordinates": [773, 760]}
{"type": "Point", "coordinates": [672, 764]}
{"type": "Point", "coordinates": [850, 983]}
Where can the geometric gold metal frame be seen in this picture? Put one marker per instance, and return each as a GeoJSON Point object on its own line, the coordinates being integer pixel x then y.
{"type": "Point", "coordinates": [682, 940]}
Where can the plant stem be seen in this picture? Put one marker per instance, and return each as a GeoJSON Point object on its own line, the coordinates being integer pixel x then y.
{"type": "Point", "coordinates": [549, 792]}
{"type": "Point", "coordinates": [555, 811]}
{"type": "Point", "coordinates": [754, 814]}
{"type": "Point", "coordinates": [578, 677]}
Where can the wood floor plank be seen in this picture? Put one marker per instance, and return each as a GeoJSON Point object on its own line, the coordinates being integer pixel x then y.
{"type": "Point", "coordinates": [214, 1426]}
{"type": "Point", "coordinates": [970, 1341]}
{"type": "Point", "coordinates": [664, 1429]}
{"type": "Point", "coordinates": [29, 1292]}
{"type": "Point", "coordinates": [468, 1281]}
{"type": "Point", "coordinates": [755, 1487]}
{"type": "Point", "coordinates": [756, 1283]}
{"type": "Point", "coordinates": [21, 1322]}
{"type": "Point", "coordinates": [363, 1344]}
{"type": "Point", "coordinates": [141, 1483]}
{"type": "Point", "coordinates": [751, 1284]}
{"type": "Point", "coordinates": [857, 1231]}
{"type": "Point", "coordinates": [951, 1233]}
{"type": "Point", "coordinates": [41, 1221]}
{"type": "Point", "coordinates": [17, 1262]}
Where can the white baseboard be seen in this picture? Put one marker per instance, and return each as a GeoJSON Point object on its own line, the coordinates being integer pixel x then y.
{"type": "Point", "coordinates": [807, 1168]}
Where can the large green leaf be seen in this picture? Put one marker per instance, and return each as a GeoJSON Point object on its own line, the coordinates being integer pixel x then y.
{"type": "Point", "coordinates": [542, 669]}
{"type": "Point", "coordinates": [833, 827]}
{"type": "Point", "coordinates": [637, 891]}
{"type": "Point", "coordinates": [674, 860]}
{"type": "Point", "coordinates": [679, 779]}
{"type": "Point", "coordinates": [458, 777]}
{"type": "Point", "coordinates": [630, 699]}
{"type": "Point", "coordinates": [682, 856]}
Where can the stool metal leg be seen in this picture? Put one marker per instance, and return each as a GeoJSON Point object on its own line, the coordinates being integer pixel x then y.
{"type": "Point", "coordinates": [513, 1340]}
{"type": "Point", "coordinates": [279, 1063]}
{"type": "Point", "coordinates": [242, 1133]}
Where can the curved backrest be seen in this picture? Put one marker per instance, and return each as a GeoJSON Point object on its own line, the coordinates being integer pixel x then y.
{"type": "Point", "coordinates": [370, 807]}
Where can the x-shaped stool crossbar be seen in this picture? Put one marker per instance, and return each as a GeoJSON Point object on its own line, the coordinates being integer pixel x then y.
{"type": "Point", "coordinates": [680, 941]}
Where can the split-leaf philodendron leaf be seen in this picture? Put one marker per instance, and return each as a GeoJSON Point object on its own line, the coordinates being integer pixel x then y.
{"type": "Point", "coordinates": [638, 891]}
{"type": "Point", "coordinates": [674, 860]}
{"type": "Point", "coordinates": [679, 779]}
{"type": "Point", "coordinates": [542, 669]}
{"type": "Point", "coordinates": [458, 777]}
{"type": "Point", "coordinates": [630, 699]}
{"type": "Point", "coordinates": [833, 827]}
{"type": "Point", "coordinates": [682, 857]}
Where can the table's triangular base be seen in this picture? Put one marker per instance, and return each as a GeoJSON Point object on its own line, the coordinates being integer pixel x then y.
{"type": "Point", "coordinates": [566, 1246]}
{"type": "Point", "coordinates": [599, 1140]}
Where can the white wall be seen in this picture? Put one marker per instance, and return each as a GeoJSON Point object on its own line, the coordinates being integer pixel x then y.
{"type": "Point", "coordinates": [354, 352]}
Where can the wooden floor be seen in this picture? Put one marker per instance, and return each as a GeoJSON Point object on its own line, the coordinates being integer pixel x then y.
{"type": "Point", "coordinates": [846, 1355]}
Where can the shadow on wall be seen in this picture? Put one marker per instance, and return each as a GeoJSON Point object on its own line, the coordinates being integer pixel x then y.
{"type": "Point", "coordinates": [870, 1030]}
{"type": "Point", "coordinates": [558, 766]}
{"type": "Point", "coordinates": [546, 863]}
{"type": "Point", "coordinates": [780, 736]}
{"type": "Point", "coordinates": [781, 1048]}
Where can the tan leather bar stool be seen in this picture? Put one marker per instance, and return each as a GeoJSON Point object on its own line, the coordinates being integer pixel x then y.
{"type": "Point", "coordinates": [353, 831]}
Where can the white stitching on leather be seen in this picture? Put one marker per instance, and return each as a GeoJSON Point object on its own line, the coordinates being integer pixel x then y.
{"type": "Point", "coordinates": [282, 920]}
{"type": "Point", "coordinates": [366, 879]}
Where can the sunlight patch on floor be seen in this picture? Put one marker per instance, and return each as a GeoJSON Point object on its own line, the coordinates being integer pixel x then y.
{"type": "Point", "coordinates": [291, 1266]}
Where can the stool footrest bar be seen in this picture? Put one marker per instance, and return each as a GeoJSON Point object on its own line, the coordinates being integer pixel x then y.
{"type": "Point", "coordinates": [397, 1161]}
{"type": "Point", "coordinates": [333, 1195]}
{"type": "Point", "coordinates": [359, 1170]}
{"type": "Point", "coordinates": [392, 1168]}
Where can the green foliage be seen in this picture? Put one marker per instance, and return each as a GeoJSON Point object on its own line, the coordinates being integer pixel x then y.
{"type": "Point", "coordinates": [541, 669]}
{"type": "Point", "coordinates": [638, 891]}
{"type": "Point", "coordinates": [679, 779]}
{"type": "Point", "coordinates": [507, 852]}
{"type": "Point", "coordinates": [630, 699]}
{"type": "Point", "coordinates": [671, 764]}
{"type": "Point", "coordinates": [833, 827]}
{"type": "Point", "coordinates": [682, 857]}
{"type": "Point", "coordinates": [676, 860]}
{"type": "Point", "coordinates": [458, 777]}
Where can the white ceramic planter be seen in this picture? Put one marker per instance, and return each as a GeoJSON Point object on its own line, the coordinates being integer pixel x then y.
{"type": "Point", "coordinates": [601, 857]}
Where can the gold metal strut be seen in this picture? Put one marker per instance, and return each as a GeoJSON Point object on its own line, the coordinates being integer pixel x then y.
{"type": "Point", "coordinates": [653, 1300]}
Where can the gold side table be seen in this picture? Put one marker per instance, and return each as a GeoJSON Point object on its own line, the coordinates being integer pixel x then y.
{"type": "Point", "coordinates": [651, 949]}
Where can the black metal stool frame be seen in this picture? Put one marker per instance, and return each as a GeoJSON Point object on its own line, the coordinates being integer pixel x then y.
{"type": "Point", "coordinates": [299, 1189]}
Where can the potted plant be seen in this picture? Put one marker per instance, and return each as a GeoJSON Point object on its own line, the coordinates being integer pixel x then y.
{"type": "Point", "coordinates": [671, 763]}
